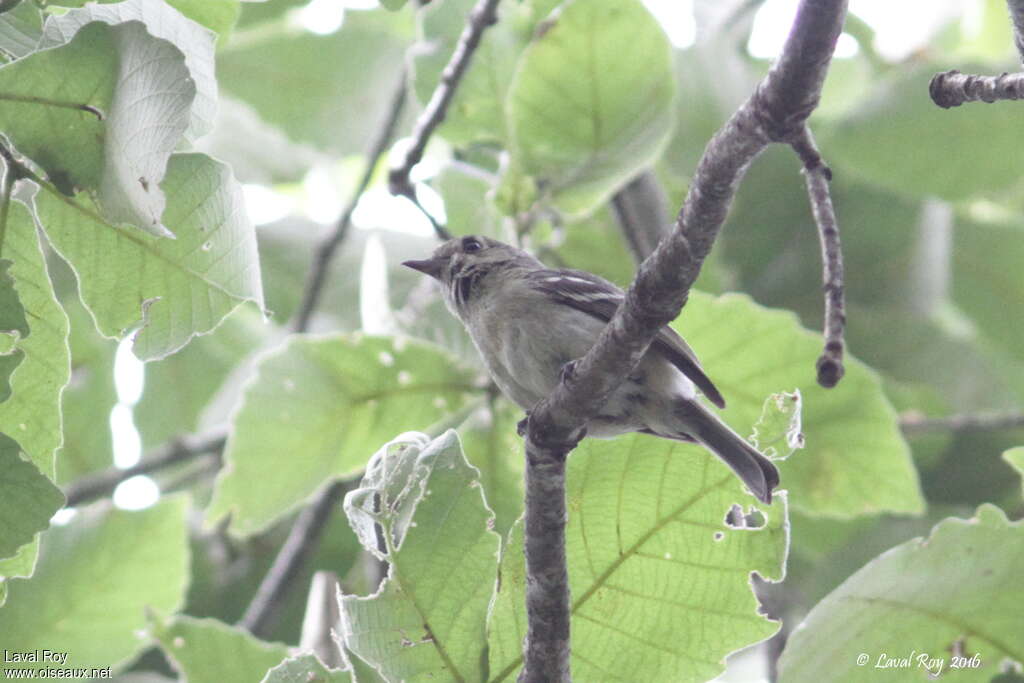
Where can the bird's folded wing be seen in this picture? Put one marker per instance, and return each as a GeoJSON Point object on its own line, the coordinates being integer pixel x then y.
{"type": "Point", "coordinates": [599, 298]}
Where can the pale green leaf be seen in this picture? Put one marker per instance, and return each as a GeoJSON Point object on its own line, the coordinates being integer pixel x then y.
{"type": "Point", "coordinates": [1015, 456]}
{"type": "Point", "coordinates": [491, 444]}
{"type": "Point", "coordinates": [477, 112]}
{"type": "Point", "coordinates": [194, 43]}
{"type": "Point", "coordinates": [592, 100]}
{"type": "Point", "coordinates": [27, 498]}
{"type": "Point", "coordinates": [305, 669]}
{"type": "Point", "coordinates": [175, 288]}
{"type": "Point", "coordinates": [12, 313]}
{"type": "Point", "coordinates": [20, 30]}
{"type": "Point", "coordinates": [327, 90]}
{"type": "Point", "coordinates": [907, 142]}
{"type": "Point", "coordinates": [660, 583]}
{"type": "Point", "coordinates": [427, 621]}
{"type": "Point", "coordinates": [324, 405]}
{"type": "Point", "coordinates": [217, 15]}
{"type": "Point", "coordinates": [210, 650]}
{"type": "Point", "coordinates": [96, 577]}
{"type": "Point", "coordinates": [958, 592]}
{"type": "Point", "coordinates": [856, 461]}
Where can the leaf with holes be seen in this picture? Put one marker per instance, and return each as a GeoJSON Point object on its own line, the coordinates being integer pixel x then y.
{"type": "Point", "coordinates": [592, 100]}
{"type": "Point", "coordinates": [427, 620]}
{"type": "Point", "coordinates": [177, 288]}
{"type": "Point", "coordinates": [317, 408]}
{"type": "Point", "coordinates": [856, 461]}
{"type": "Point", "coordinates": [305, 669]}
{"type": "Point", "coordinates": [660, 582]}
{"type": "Point", "coordinates": [954, 597]}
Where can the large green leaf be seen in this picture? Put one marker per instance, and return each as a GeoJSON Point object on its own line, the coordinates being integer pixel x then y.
{"type": "Point", "coordinates": [27, 498]}
{"type": "Point", "coordinates": [856, 461]}
{"type": "Point", "coordinates": [176, 288]}
{"type": "Point", "coordinates": [210, 650]}
{"type": "Point", "coordinates": [305, 669]}
{"type": "Point", "coordinates": [328, 90]}
{"type": "Point", "coordinates": [20, 30]}
{"type": "Point", "coordinates": [88, 399]}
{"type": "Point", "coordinates": [955, 594]}
{"type": "Point", "coordinates": [898, 138]}
{"type": "Point", "coordinates": [95, 579]}
{"type": "Point", "coordinates": [217, 15]}
{"type": "Point", "coordinates": [477, 113]}
{"type": "Point", "coordinates": [162, 20]}
{"type": "Point", "coordinates": [491, 444]}
{"type": "Point", "coordinates": [317, 408]}
{"type": "Point", "coordinates": [660, 582]}
{"type": "Point", "coordinates": [427, 621]}
{"type": "Point", "coordinates": [591, 101]}
{"type": "Point", "coordinates": [31, 415]}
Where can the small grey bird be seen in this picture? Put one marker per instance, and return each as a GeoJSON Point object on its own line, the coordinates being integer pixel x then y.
{"type": "Point", "coordinates": [529, 321]}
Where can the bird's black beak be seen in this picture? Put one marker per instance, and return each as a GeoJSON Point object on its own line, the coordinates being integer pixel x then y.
{"type": "Point", "coordinates": [430, 266]}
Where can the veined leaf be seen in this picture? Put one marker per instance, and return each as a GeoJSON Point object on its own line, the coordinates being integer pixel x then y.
{"type": "Point", "coordinates": [27, 498]}
{"type": "Point", "coordinates": [427, 621]}
{"type": "Point", "coordinates": [956, 594]}
{"type": "Point", "coordinates": [317, 408]}
{"type": "Point", "coordinates": [591, 101]}
{"type": "Point", "coordinates": [175, 288]}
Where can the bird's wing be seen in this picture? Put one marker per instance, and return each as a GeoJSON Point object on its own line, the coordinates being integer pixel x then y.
{"type": "Point", "coordinates": [599, 298]}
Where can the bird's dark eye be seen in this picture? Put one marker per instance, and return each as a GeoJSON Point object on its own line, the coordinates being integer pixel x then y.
{"type": "Point", "coordinates": [471, 244]}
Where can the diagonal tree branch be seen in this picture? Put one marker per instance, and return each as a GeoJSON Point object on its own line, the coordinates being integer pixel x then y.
{"type": "Point", "coordinates": [483, 14]}
{"type": "Point", "coordinates": [776, 112]}
{"type": "Point", "coordinates": [952, 88]}
{"type": "Point", "coordinates": [325, 252]}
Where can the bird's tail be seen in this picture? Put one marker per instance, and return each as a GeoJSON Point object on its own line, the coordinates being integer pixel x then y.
{"type": "Point", "coordinates": [756, 471]}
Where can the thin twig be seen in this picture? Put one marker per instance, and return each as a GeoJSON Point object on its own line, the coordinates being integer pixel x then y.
{"type": "Point", "coordinates": [915, 423]}
{"type": "Point", "coordinates": [294, 554]}
{"type": "Point", "coordinates": [642, 213]}
{"type": "Point", "coordinates": [103, 483]}
{"type": "Point", "coordinates": [952, 88]}
{"type": "Point", "coordinates": [776, 112]}
{"type": "Point", "coordinates": [325, 252]}
{"type": "Point", "coordinates": [483, 14]}
{"type": "Point", "coordinates": [61, 104]}
{"type": "Point", "coordinates": [817, 175]}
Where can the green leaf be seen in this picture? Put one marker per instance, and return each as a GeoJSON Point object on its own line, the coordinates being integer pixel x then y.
{"type": "Point", "coordinates": [427, 621]}
{"type": "Point", "coordinates": [27, 498]}
{"type": "Point", "coordinates": [393, 5]}
{"type": "Point", "coordinates": [305, 669]}
{"type": "Point", "coordinates": [217, 15]}
{"type": "Point", "coordinates": [12, 313]}
{"type": "Point", "coordinates": [179, 389]}
{"type": "Point", "coordinates": [95, 578]}
{"type": "Point", "coordinates": [592, 100]}
{"type": "Point", "coordinates": [660, 583]}
{"type": "Point", "coordinates": [194, 43]}
{"type": "Point", "coordinates": [1015, 456]}
{"type": "Point", "coordinates": [899, 138]}
{"type": "Point", "coordinates": [491, 444]}
{"type": "Point", "coordinates": [856, 461]}
{"type": "Point", "coordinates": [477, 112]}
{"type": "Point", "coordinates": [986, 258]}
{"type": "Point", "coordinates": [179, 288]}
{"type": "Point", "coordinates": [326, 404]}
{"type": "Point", "coordinates": [20, 30]}
{"type": "Point", "coordinates": [327, 90]}
{"type": "Point", "coordinates": [87, 400]}
{"type": "Point", "coordinates": [210, 650]}
{"type": "Point", "coordinates": [956, 592]}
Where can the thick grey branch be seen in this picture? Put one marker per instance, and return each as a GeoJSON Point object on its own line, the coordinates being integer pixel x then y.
{"type": "Point", "coordinates": [177, 451]}
{"type": "Point", "coordinates": [483, 14]}
{"type": "Point", "coordinates": [777, 112]}
{"type": "Point", "coordinates": [818, 176]}
{"type": "Point", "coordinates": [912, 423]}
{"type": "Point", "coordinates": [1016, 8]}
{"type": "Point", "coordinates": [302, 540]}
{"type": "Point", "coordinates": [325, 252]}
